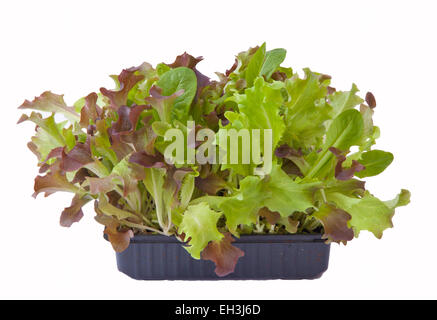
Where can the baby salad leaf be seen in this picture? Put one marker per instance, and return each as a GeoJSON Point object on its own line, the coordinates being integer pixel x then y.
{"type": "Point", "coordinates": [163, 104]}
{"type": "Point", "coordinates": [187, 60]}
{"type": "Point", "coordinates": [76, 158]}
{"type": "Point", "coordinates": [285, 195]}
{"type": "Point", "coordinates": [174, 80]}
{"type": "Point", "coordinates": [119, 239]}
{"type": "Point", "coordinates": [243, 206]}
{"type": "Point", "coordinates": [51, 102]}
{"type": "Point", "coordinates": [345, 173]}
{"type": "Point", "coordinates": [200, 224]}
{"type": "Point", "coordinates": [305, 111]}
{"type": "Point", "coordinates": [402, 199]}
{"type": "Point", "coordinates": [127, 80]}
{"type": "Point", "coordinates": [345, 131]}
{"type": "Point", "coordinates": [258, 109]}
{"type": "Point", "coordinates": [273, 60]}
{"type": "Point", "coordinates": [278, 193]}
{"type": "Point", "coordinates": [255, 65]}
{"type": "Point", "coordinates": [375, 162]}
{"type": "Point", "coordinates": [110, 210]}
{"type": "Point", "coordinates": [53, 182]}
{"type": "Point", "coordinates": [90, 112]}
{"type": "Point", "coordinates": [223, 254]}
{"type": "Point", "coordinates": [49, 135]}
{"type": "Point", "coordinates": [335, 223]}
{"type": "Point", "coordinates": [260, 104]}
{"type": "Point", "coordinates": [344, 100]}
{"type": "Point", "coordinates": [370, 213]}
{"type": "Point", "coordinates": [74, 212]}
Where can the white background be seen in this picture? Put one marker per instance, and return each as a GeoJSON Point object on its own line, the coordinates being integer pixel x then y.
{"type": "Point", "coordinates": [387, 47]}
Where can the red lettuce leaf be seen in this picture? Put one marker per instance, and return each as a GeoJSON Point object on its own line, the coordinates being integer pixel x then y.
{"type": "Point", "coordinates": [120, 240]}
{"type": "Point", "coordinates": [162, 104]}
{"type": "Point", "coordinates": [146, 160]}
{"type": "Point", "coordinates": [52, 182]}
{"type": "Point", "coordinates": [272, 217]}
{"type": "Point", "coordinates": [223, 254]}
{"type": "Point", "coordinates": [345, 173]}
{"type": "Point", "coordinates": [76, 158]}
{"type": "Point", "coordinates": [187, 60]}
{"type": "Point", "coordinates": [74, 213]}
{"type": "Point", "coordinates": [101, 185]}
{"type": "Point", "coordinates": [127, 119]}
{"type": "Point", "coordinates": [90, 111]}
{"type": "Point", "coordinates": [81, 176]}
{"type": "Point", "coordinates": [211, 184]}
{"type": "Point", "coordinates": [127, 80]}
{"type": "Point", "coordinates": [335, 223]}
{"type": "Point", "coordinates": [50, 102]}
{"type": "Point", "coordinates": [370, 100]}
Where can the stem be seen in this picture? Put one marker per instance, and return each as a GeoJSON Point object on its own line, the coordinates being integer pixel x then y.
{"type": "Point", "coordinates": [169, 223]}
{"type": "Point", "coordinates": [258, 227]}
{"type": "Point", "coordinates": [158, 202]}
{"type": "Point", "coordinates": [322, 191]}
{"type": "Point", "coordinates": [139, 226]}
{"type": "Point", "coordinates": [319, 164]}
{"type": "Point", "coordinates": [146, 220]}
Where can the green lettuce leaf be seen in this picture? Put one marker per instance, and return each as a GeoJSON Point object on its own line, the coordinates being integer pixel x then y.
{"type": "Point", "coordinates": [273, 60]}
{"type": "Point", "coordinates": [199, 224]}
{"type": "Point", "coordinates": [370, 213]}
{"type": "Point", "coordinates": [278, 192]}
{"type": "Point", "coordinates": [375, 162]}
{"type": "Point", "coordinates": [255, 65]}
{"type": "Point", "coordinates": [345, 131]}
{"type": "Point", "coordinates": [344, 100]}
{"type": "Point", "coordinates": [49, 135]}
{"type": "Point", "coordinates": [260, 104]}
{"type": "Point", "coordinates": [285, 195]}
{"type": "Point", "coordinates": [305, 111]}
{"type": "Point", "coordinates": [174, 80]}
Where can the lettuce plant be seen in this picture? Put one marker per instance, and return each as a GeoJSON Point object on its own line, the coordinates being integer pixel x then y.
{"type": "Point", "coordinates": [109, 149]}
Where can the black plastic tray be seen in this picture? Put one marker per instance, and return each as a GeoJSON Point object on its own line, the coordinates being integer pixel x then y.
{"type": "Point", "coordinates": [294, 256]}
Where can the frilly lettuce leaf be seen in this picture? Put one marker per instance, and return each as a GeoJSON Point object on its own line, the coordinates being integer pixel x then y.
{"type": "Point", "coordinates": [260, 104]}
{"type": "Point", "coordinates": [200, 224]}
{"type": "Point", "coordinates": [50, 102]}
{"type": "Point", "coordinates": [335, 223]}
{"type": "Point", "coordinates": [305, 110]}
{"type": "Point", "coordinates": [369, 213]}
{"type": "Point", "coordinates": [223, 254]}
{"type": "Point", "coordinates": [278, 192]}
{"type": "Point", "coordinates": [286, 195]}
{"type": "Point", "coordinates": [344, 100]}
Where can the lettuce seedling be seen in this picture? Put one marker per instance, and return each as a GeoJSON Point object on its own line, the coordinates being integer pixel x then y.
{"type": "Point", "coordinates": [110, 149]}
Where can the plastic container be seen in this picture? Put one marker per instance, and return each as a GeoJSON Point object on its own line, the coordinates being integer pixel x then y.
{"type": "Point", "coordinates": [294, 256]}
